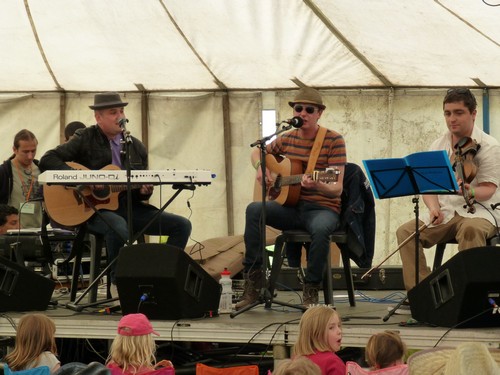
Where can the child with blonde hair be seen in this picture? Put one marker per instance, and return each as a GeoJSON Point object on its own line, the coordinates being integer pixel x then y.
{"type": "Point", "coordinates": [35, 344]}
{"type": "Point", "coordinates": [320, 336]}
{"type": "Point", "coordinates": [297, 366]}
{"type": "Point", "coordinates": [133, 349]}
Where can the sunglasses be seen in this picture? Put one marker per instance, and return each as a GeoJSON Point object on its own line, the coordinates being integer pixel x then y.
{"type": "Point", "coordinates": [309, 109]}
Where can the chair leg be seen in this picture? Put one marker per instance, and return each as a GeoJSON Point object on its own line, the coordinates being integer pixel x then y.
{"type": "Point", "coordinates": [95, 264]}
{"type": "Point", "coordinates": [279, 248]}
{"type": "Point", "coordinates": [78, 246]}
{"type": "Point", "coordinates": [346, 261]}
{"type": "Point", "coordinates": [438, 257]}
{"type": "Point", "coordinates": [493, 241]}
{"type": "Point", "coordinates": [327, 282]}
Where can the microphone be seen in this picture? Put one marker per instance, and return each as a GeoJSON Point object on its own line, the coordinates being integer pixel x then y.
{"type": "Point", "coordinates": [122, 122]}
{"type": "Point", "coordinates": [296, 121]}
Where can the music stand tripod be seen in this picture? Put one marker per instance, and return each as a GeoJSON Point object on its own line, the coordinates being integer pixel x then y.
{"type": "Point", "coordinates": [265, 297]}
{"type": "Point", "coordinates": [427, 172]}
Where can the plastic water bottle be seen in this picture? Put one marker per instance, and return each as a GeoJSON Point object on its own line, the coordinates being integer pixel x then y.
{"type": "Point", "coordinates": [226, 297]}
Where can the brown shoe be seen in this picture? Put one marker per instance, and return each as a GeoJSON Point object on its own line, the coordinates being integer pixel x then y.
{"type": "Point", "coordinates": [251, 288]}
{"type": "Point", "coordinates": [310, 294]}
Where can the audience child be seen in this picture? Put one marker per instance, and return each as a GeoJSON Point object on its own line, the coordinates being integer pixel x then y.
{"type": "Point", "coordinates": [297, 366]}
{"type": "Point", "coordinates": [35, 344]}
{"type": "Point", "coordinates": [320, 336]}
{"type": "Point", "coordinates": [385, 349]}
{"type": "Point", "coordinates": [133, 349]}
{"type": "Point", "coordinates": [384, 353]}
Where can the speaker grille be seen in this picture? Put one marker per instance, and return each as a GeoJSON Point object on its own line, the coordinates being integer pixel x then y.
{"type": "Point", "coordinates": [22, 289]}
{"type": "Point", "coordinates": [462, 292]}
{"type": "Point", "coordinates": [163, 282]}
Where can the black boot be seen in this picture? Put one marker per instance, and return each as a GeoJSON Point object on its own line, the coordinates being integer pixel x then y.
{"type": "Point", "coordinates": [310, 294]}
{"type": "Point", "coordinates": [251, 289]}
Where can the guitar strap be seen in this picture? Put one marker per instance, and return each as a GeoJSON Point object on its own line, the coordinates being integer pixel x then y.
{"type": "Point", "coordinates": [318, 142]}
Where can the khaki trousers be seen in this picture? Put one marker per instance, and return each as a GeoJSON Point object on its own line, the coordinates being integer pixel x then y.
{"type": "Point", "coordinates": [468, 232]}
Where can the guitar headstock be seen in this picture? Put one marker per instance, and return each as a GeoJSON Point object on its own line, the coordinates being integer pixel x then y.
{"type": "Point", "coordinates": [328, 175]}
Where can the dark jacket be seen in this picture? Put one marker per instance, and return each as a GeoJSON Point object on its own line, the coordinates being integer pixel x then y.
{"type": "Point", "coordinates": [90, 148]}
{"type": "Point", "coordinates": [6, 180]}
{"type": "Point", "coordinates": [358, 216]}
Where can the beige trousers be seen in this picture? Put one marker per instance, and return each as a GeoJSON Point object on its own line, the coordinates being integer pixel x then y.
{"type": "Point", "coordinates": [468, 232]}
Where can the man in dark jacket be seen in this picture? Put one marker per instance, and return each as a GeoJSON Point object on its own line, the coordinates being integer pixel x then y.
{"type": "Point", "coordinates": [100, 145]}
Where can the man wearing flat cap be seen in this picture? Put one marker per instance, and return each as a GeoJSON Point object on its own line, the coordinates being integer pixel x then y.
{"type": "Point", "coordinates": [100, 145]}
{"type": "Point", "coordinates": [318, 207]}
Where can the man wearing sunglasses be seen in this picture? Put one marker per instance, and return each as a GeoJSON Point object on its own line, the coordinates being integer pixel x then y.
{"type": "Point", "coordinates": [318, 207]}
{"type": "Point", "coordinates": [450, 218]}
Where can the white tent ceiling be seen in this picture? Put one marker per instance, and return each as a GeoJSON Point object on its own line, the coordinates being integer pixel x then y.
{"type": "Point", "coordinates": [186, 45]}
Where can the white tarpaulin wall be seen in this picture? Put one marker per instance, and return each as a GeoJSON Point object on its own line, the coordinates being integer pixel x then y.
{"type": "Point", "coordinates": [187, 132]}
{"type": "Point", "coordinates": [202, 66]}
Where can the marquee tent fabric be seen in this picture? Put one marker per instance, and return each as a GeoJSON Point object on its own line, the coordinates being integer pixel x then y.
{"type": "Point", "coordinates": [186, 45]}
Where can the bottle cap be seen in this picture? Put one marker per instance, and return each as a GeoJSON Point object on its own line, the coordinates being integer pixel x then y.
{"type": "Point", "coordinates": [225, 272]}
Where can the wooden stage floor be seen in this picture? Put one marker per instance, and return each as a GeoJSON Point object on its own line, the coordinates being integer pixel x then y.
{"type": "Point", "coordinates": [277, 326]}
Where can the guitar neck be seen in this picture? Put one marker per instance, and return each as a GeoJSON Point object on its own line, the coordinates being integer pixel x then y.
{"type": "Point", "coordinates": [119, 188]}
{"type": "Point", "coordinates": [330, 175]}
{"type": "Point", "coordinates": [291, 180]}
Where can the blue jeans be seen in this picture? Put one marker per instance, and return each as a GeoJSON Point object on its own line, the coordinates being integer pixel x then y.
{"type": "Point", "coordinates": [319, 221]}
{"type": "Point", "coordinates": [114, 227]}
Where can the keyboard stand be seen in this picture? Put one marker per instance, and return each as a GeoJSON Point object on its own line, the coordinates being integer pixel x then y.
{"type": "Point", "coordinates": [76, 306]}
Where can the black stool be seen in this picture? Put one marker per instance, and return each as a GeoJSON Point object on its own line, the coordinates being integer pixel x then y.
{"type": "Point", "coordinates": [301, 236]}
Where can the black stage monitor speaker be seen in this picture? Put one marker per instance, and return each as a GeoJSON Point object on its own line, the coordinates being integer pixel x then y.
{"type": "Point", "coordinates": [163, 282]}
{"type": "Point", "coordinates": [463, 292]}
{"type": "Point", "coordinates": [22, 289]}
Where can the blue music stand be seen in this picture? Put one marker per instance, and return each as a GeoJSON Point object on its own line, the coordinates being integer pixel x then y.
{"type": "Point", "coordinates": [427, 172]}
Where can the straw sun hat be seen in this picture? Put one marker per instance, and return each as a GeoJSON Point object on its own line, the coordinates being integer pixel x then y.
{"type": "Point", "coordinates": [466, 359]}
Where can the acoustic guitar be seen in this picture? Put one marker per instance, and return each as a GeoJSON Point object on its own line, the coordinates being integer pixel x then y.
{"type": "Point", "coordinates": [71, 205]}
{"type": "Point", "coordinates": [286, 177]}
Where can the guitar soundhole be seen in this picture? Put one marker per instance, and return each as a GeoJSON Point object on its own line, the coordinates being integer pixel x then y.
{"type": "Point", "coordinates": [101, 193]}
{"type": "Point", "coordinates": [275, 189]}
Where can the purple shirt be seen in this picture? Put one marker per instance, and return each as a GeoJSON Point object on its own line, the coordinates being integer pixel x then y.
{"type": "Point", "coordinates": [116, 148]}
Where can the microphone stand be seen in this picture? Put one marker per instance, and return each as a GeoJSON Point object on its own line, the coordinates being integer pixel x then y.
{"type": "Point", "coordinates": [128, 142]}
{"type": "Point", "coordinates": [265, 296]}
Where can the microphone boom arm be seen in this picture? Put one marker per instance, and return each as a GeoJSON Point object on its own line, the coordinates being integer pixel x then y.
{"type": "Point", "coordinates": [263, 140]}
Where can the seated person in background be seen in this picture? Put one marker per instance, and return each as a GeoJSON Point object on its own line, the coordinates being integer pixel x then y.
{"type": "Point", "coordinates": [19, 185]}
{"type": "Point", "coordinates": [297, 366]}
{"type": "Point", "coordinates": [71, 128]}
{"type": "Point", "coordinates": [133, 349]}
{"type": "Point", "coordinates": [35, 344]}
{"type": "Point", "coordinates": [9, 218]}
